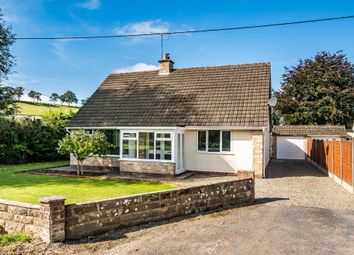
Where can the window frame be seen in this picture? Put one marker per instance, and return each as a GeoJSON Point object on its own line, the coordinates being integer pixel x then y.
{"type": "Point", "coordinates": [221, 151]}
{"type": "Point", "coordinates": [137, 132]}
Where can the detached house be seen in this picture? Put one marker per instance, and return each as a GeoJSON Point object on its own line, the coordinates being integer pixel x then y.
{"type": "Point", "coordinates": [168, 121]}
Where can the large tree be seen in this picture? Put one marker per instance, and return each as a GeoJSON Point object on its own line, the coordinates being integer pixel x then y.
{"type": "Point", "coordinates": [54, 97]}
{"type": "Point", "coordinates": [7, 104]}
{"type": "Point", "coordinates": [36, 96]}
{"type": "Point", "coordinates": [69, 97]}
{"type": "Point", "coordinates": [318, 91]}
{"type": "Point", "coordinates": [19, 92]}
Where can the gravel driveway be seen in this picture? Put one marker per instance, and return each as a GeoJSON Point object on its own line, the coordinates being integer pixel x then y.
{"type": "Point", "coordinates": [299, 211]}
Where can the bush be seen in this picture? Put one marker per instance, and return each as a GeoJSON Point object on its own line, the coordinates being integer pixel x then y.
{"type": "Point", "coordinates": [26, 140]}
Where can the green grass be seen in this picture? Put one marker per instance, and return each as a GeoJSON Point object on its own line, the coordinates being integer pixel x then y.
{"type": "Point", "coordinates": [14, 238]}
{"type": "Point", "coordinates": [38, 109]}
{"type": "Point", "coordinates": [29, 188]}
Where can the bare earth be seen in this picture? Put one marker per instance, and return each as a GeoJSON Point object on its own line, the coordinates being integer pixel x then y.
{"type": "Point", "coordinates": [299, 211]}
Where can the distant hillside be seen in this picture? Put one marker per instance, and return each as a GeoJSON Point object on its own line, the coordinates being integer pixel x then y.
{"type": "Point", "coordinates": [38, 109]}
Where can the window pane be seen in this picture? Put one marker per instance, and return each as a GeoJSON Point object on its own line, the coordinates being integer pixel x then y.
{"type": "Point", "coordinates": [163, 135]}
{"type": "Point", "coordinates": [129, 135]}
{"type": "Point", "coordinates": [113, 138]}
{"type": "Point", "coordinates": [164, 150]}
{"type": "Point", "coordinates": [146, 145]}
{"type": "Point", "coordinates": [214, 141]}
{"type": "Point", "coordinates": [226, 137]}
{"type": "Point", "coordinates": [129, 149]}
{"type": "Point", "coordinates": [201, 140]}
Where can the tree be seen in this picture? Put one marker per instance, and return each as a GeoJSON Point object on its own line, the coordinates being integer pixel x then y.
{"type": "Point", "coordinates": [19, 92]}
{"type": "Point", "coordinates": [318, 91]}
{"type": "Point", "coordinates": [7, 38]}
{"type": "Point", "coordinates": [7, 60]}
{"type": "Point", "coordinates": [36, 96]}
{"type": "Point", "coordinates": [83, 145]}
{"type": "Point", "coordinates": [69, 97]}
{"type": "Point", "coordinates": [54, 97]}
{"type": "Point", "coordinates": [84, 101]}
{"type": "Point", "coordinates": [7, 101]}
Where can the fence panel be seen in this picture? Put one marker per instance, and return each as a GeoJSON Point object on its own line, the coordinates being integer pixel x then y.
{"type": "Point", "coordinates": [347, 161]}
{"type": "Point", "coordinates": [335, 157]}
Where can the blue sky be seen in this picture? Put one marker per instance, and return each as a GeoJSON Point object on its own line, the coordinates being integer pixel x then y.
{"type": "Point", "coordinates": [80, 66]}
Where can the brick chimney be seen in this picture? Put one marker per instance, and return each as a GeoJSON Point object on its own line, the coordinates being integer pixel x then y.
{"type": "Point", "coordinates": [166, 65]}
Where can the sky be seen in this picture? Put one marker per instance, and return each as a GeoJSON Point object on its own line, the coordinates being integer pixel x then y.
{"type": "Point", "coordinates": [81, 65]}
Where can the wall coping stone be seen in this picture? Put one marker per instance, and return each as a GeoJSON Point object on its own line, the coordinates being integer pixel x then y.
{"type": "Point", "coordinates": [51, 199]}
{"type": "Point", "coordinates": [19, 204]}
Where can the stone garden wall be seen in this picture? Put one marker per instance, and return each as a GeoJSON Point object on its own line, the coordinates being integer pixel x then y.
{"type": "Point", "coordinates": [18, 217]}
{"type": "Point", "coordinates": [53, 221]}
{"type": "Point", "coordinates": [82, 220]}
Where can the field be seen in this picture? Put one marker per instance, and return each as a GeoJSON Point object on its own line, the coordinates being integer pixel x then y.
{"type": "Point", "coordinates": [38, 109]}
{"type": "Point", "coordinates": [29, 188]}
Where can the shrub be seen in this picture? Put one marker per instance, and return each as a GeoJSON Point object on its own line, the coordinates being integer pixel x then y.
{"type": "Point", "coordinates": [83, 145]}
{"type": "Point", "coordinates": [26, 140]}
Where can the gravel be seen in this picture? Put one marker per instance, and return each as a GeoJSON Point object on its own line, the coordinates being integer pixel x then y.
{"type": "Point", "coordinates": [299, 183]}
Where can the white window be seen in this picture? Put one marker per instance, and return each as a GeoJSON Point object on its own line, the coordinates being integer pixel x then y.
{"type": "Point", "coordinates": [129, 145]}
{"type": "Point", "coordinates": [147, 145]}
{"type": "Point", "coordinates": [214, 141]}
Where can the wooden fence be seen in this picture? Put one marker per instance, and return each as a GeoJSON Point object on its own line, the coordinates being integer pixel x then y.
{"type": "Point", "coordinates": [334, 158]}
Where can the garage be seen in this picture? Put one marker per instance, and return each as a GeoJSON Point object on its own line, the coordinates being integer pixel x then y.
{"type": "Point", "coordinates": [290, 141]}
{"type": "Point", "coordinates": [291, 147]}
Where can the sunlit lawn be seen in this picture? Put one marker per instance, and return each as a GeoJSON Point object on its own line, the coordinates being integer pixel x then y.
{"type": "Point", "coordinates": [29, 187]}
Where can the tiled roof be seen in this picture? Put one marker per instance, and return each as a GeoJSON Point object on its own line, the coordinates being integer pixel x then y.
{"type": "Point", "coordinates": [309, 130]}
{"type": "Point", "coordinates": [232, 95]}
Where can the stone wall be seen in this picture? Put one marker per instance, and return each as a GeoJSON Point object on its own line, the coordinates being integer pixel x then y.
{"type": "Point", "coordinates": [18, 217]}
{"type": "Point", "coordinates": [258, 153]}
{"type": "Point", "coordinates": [104, 162]}
{"type": "Point", "coordinates": [92, 218]}
{"type": "Point", "coordinates": [45, 220]}
{"type": "Point", "coordinates": [144, 167]}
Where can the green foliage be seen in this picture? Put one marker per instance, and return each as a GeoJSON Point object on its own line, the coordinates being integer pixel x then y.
{"type": "Point", "coordinates": [54, 97]}
{"type": "Point", "coordinates": [7, 101]}
{"type": "Point", "coordinates": [36, 96]}
{"type": "Point", "coordinates": [18, 91]}
{"type": "Point", "coordinates": [14, 238]}
{"type": "Point", "coordinates": [26, 140]}
{"type": "Point", "coordinates": [83, 145]}
{"type": "Point", "coordinates": [68, 97]}
{"type": "Point", "coordinates": [6, 40]}
{"type": "Point", "coordinates": [318, 91]}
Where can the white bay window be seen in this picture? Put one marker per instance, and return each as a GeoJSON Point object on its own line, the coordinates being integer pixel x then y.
{"type": "Point", "coordinates": [147, 145]}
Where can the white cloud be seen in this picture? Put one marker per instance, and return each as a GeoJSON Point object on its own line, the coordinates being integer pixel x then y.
{"type": "Point", "coordinates": [136, 68]}
{"type": "Point", "coordinates": [145, 27]}
{"type": "Point", "coordinates": [90, 4]}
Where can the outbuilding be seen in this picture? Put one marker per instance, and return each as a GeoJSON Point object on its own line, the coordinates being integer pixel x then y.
{"type": "Point", "coordinates": [290, 141]}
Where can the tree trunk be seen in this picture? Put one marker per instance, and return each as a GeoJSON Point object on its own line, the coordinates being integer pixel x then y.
{"type": "Point", "coordinates": [82, 167]}
{"type": "Point", "coordinates": [78, 167]}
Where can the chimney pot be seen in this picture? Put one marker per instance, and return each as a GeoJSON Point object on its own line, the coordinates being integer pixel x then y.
{"type": "Point", "coordinates": [166, 64]}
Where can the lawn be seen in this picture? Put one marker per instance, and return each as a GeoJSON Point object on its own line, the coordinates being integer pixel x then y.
{"type": "Point", "coordinates": [29, 188]}
{"type": "Point", "coordinates": [38, 109]}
